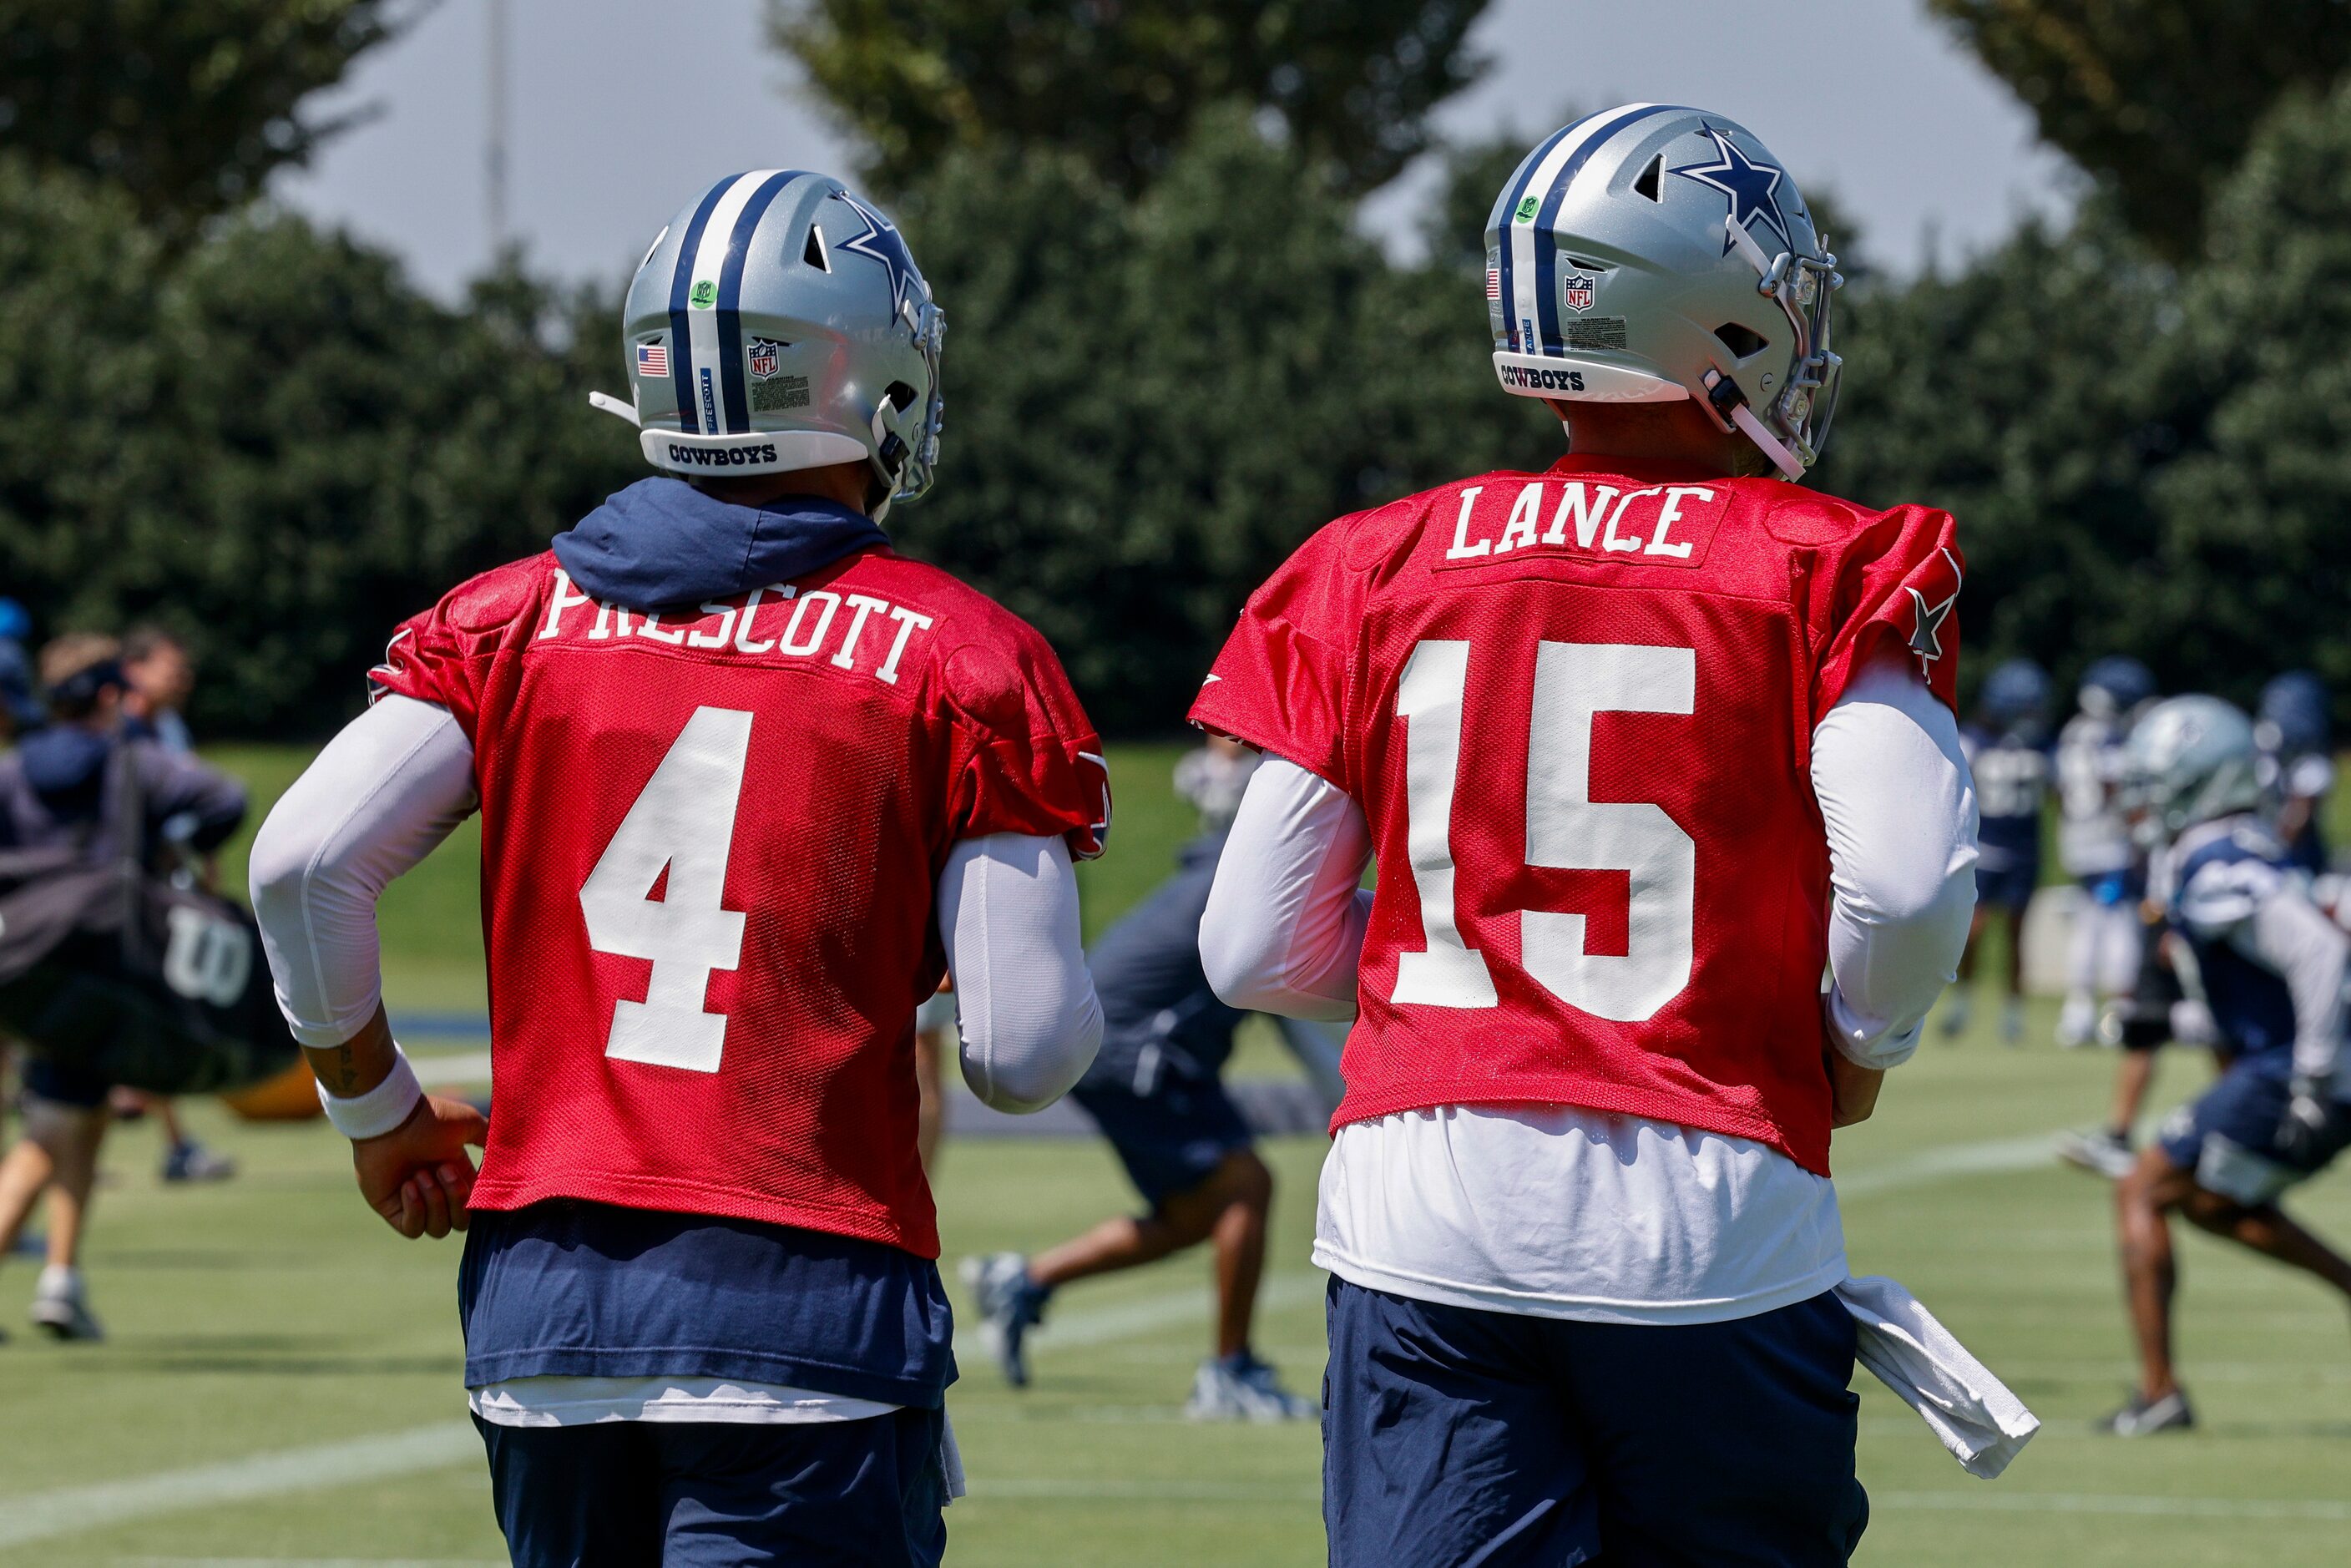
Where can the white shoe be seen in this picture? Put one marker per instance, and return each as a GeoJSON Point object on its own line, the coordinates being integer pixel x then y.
{"type": "Point", "coordinates": [2106, 1154]}
{"type": "Point", "coordinates": [60, 1306]}
{"type": "Point", "coordinates": [1250, 1391]}
{"type": "Point", "coordinates": [2076, 1021]}
{"type": "Point", "coordinates": [2143, 1417]}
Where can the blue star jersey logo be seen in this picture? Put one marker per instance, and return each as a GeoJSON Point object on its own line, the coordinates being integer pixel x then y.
{"type": "Point", "coordinates": [1753, 188]}
{"type": "Point", "coordinates": [882, 242]}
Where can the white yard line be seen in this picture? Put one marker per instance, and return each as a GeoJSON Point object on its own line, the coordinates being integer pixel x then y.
{"type": "Point", "coordinates": [67, 1510]}
{"type": "Point", "coordinates": [465, 1067]}
{"type": "Point", "coordinates": [2034, 1151]}
{"type": "Point", "coordinates": [2321, 1509]}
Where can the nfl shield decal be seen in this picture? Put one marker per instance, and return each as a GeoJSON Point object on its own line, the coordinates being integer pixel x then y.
{"type": "Point", "coordinates": [1576, 289]}
{"type": "Point", "coordinates": [766, 356]}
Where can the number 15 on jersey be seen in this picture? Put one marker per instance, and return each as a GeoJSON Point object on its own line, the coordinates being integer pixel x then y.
{"type": "Point", "coordinates": [1566, 830]}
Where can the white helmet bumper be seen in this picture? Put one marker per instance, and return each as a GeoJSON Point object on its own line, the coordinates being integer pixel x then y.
{"type": "Point", "coordinates": [785, 451]}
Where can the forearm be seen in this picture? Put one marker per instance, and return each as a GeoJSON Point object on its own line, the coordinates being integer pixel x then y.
{"type": "Point", "coordinates": [1025, 1005]}
{"type": "Point", "coordinates": [1284, 928]}
{"type": "Point", "coordinates": [1852, 1090]}
{"type": "Point", "coordinates": [2311, 953]}
{"type": "Point", "coordinates": [1899, 808]}
{"type": "Point", "coordinates": [357, 1065]}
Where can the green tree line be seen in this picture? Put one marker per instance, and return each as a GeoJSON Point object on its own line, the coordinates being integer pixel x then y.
{"type": "Point", "coordinates": [1173, 351]}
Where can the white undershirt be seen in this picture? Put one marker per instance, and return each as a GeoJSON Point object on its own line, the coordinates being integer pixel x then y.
{"type": "Point", "coordinates": [387, 789]}
{"type": "Point", "coordinates": [1565, 1212]}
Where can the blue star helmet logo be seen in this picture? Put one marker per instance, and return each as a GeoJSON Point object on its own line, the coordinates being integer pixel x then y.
{"type": "Point", "coordinates": [882, 242]}
{"type": "Point", "coordinates": [1753, 188]}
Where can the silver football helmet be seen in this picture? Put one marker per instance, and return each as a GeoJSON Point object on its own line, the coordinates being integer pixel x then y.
{"type": "Point", "coordinates": [1653, 253]}
{"type": "Point", "coordinates": [2188, 760]}
{"type": "Point", "coordinates": [778, 323]}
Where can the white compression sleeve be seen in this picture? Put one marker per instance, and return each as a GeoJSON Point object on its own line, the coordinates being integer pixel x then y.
{"type": "Point", "coordinates": [1900, 809]}
{"type": "Point", "coordinates": [1024, 998]}
{"type": "Point", "coordinates": [1285, 922]}
{"type": "Point", "coordinates": [378, 799]}
{"type": "Point", "coordinates": [2312, 955]}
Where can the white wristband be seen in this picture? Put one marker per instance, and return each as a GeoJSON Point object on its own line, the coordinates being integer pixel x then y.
{"type": "Point", "coordinates": [381, 1108]}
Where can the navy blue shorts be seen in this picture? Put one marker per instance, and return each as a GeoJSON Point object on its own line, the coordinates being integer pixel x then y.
{"type": "Point", "coordinates": [1457, 1436]}
{"type": "Point", "coordinates": [2007, 886]}
{"type": "Point", "coordinates": [2228, 1135]}
{"type": "Point", "coordinates": [629, 1494]}
{"type": "Point", "coordinates": [61, 1084]}
{"type": "Point", "coordinates": [1171, 1138]}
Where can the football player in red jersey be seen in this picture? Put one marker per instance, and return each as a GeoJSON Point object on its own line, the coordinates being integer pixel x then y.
{"type": "Point", "coordinates": [1643, 744]}
{"type": "Point", "coordinates": [749, 780]}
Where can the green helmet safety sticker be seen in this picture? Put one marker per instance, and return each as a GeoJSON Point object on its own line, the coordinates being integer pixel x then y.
{"type": "Point", "coordinates": [705, 295]}
{"type": "Point", "coordinates": [1527, 210]}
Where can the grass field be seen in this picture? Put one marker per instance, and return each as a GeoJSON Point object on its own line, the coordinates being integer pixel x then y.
{"type": "Point", "coordinates": [281, 1385]}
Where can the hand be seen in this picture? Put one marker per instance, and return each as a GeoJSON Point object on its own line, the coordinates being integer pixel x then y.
{"type": "Point", "coordinates": [2304, 1122]}
{"type": "Point", "coordinates": [418, 1176]}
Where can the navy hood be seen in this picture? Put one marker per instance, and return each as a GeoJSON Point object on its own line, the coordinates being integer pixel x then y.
{"type": "Point", "coordinates": [65, 766]}
{"type": "Point", "coordinates": [662, 542]}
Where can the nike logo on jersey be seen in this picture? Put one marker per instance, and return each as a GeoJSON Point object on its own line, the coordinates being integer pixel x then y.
{"type": "Point", "coordinates": [774, 622]}
{"type": "Point", "coordinates": [1668, 525]}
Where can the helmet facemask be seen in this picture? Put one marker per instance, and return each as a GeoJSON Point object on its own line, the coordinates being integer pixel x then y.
{"type": "Point", "coordinates": [1793, 428]}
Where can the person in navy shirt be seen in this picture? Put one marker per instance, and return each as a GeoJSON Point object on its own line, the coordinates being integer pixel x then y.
{"type": "Point", "coordinates": [2272, 969]}
{"type": "Point", "coordinates": [1156, 1091]}
{"type": "Point", "coordinates": [2297, 764]}
{"type": "Point", "coordinates": [2008, 749]}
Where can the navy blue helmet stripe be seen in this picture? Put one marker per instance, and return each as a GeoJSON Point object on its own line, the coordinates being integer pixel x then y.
{"type": "Point", "coordinates": [1547, 233]}
{"type": "Point", "coordinates": [681, 337]}
{"type": "Point", "coordinates": [730, 300]}
{"type": "Point", "coordinates": [1510, 199]}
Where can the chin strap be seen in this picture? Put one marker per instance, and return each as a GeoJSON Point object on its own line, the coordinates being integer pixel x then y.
{"type": "Point", "coordinates": [1722, 395]}
{"type": "Point", "coordinates": [612, 406]}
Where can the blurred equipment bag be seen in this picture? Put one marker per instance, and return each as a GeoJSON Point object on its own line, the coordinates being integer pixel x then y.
{"type": "Point", "coordinates": [112, 969]}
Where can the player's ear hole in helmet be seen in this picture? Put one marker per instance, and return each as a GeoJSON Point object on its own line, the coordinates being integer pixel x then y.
{"type": "Point", "coordinates": [780, 323]}
{"type": "Point", "coordinates": [1653, 253]}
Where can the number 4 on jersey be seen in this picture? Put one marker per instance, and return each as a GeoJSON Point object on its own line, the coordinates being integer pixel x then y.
{"type": "Point", "coordinates": [1566, 830]}
{"type": "Point", "coordinates": [684, 823]}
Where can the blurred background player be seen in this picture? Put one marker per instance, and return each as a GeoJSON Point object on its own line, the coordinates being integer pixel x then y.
{"type": "Point", "coordinates": [2008, 751]}
{"type": "Point", "coordinates": [2163, 1008]}
{"type": "Point", "coordinates": [2272, 968]}
{"type": "Point", "coordinates": [162, 676]}
{"type": "Point", "coordinates": [2094, 846]}
{"type": "Point", "coordinates": [159, 676]}
{"type": "Point", "coordinates": [2294, 732]}
{"type": "Point", "coordinates": [60, 787]}
{"type": "Point", "coordinates": [1157, 1092]}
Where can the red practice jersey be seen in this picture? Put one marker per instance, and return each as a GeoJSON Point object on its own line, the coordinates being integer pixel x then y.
{"type": "Point", "coordinates": [710, 848]}
{"type": "Point", "coordinates": [1576, 708]}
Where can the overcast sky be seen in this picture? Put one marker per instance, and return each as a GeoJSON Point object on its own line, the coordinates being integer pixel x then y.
{"type": "Point", "coordinates": [1866, 98]}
